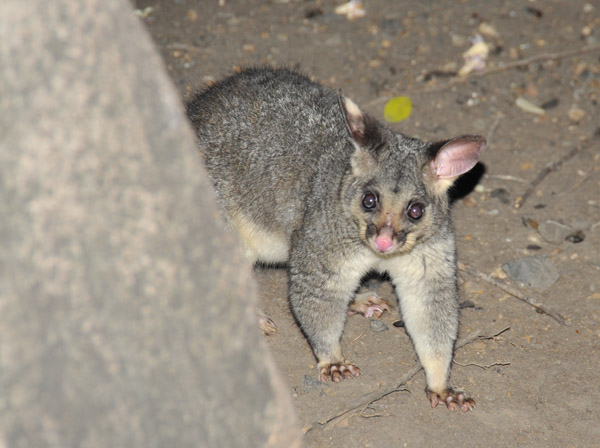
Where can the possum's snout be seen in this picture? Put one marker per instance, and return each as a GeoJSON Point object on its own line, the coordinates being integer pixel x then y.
{"type": "Point", "coordinates": [387, 239]}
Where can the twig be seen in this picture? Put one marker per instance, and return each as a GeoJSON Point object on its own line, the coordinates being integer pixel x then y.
{"type": "Point", "coordinates": [486, 366]}
{"type": "Point", "coordinates": [580, 182]}
{"type": "Point", "coordinates": [183, 47]}
{"type": "Point", "coordinates": [495, 124]}
{"type": "Point", "coordinates": [515, 293]}
{"type": "Point", "coordinates": [493, 70]}
{"type": "Point", "coordinates": [512, 65]}
{"type": "Point", "coordinates": [364, 402]}
{"type": "Point", "coordinates": [552, 166]}
{"type": "Point", "coordinates": [506, 177]}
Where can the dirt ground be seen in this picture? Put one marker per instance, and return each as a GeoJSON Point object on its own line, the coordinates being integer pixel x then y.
{"type": "Point", "coordinates": [536, 381]}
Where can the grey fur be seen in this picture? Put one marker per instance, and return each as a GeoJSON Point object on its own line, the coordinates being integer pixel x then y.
{"type": "Point", "coordinates": [292, 161]}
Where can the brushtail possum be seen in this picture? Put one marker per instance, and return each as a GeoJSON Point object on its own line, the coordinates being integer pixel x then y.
{"type": "Point", "coordinates": [309, 180]}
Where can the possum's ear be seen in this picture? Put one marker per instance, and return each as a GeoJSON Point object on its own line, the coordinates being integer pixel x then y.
{"type": "Point", "coordinates": [453, 158]}
{"type": "Point", "coordinates": [364, 134]}
{"type": "Point", "coordinates": [363, 130]}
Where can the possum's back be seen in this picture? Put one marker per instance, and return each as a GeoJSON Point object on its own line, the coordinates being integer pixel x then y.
{"type": "Point", "coordinates": [262, 133]}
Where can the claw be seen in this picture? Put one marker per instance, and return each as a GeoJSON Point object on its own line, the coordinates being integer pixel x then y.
{"type": "Point", "coordinates": [369, 304]}
{"type": "Point", "coordinates": [452, 399]}
{"type": "Point", "coordinates": [338, 371]}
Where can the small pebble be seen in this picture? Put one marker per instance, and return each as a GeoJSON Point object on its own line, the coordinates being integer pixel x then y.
{"type": "Point", "coordinates": [533, 247]}
{"type": "Point", "coordinates": [554, 232]}
{"type": "Point", "coordinates": [398, 324]}
{"type": "Point", "coordinates": [576, 237]}
{"type": "Point", "coordinates": [536, 271]}
{"type": "Point", "coordinates": [536, 12]}
{"type": "Point", "coordinates": [311, 384]}
{"type": "Point", "coordinates": [469, 201]}
{"type": "Point", "coordinates": [550, 104]}
{"type": "Point", "coordinates": [576, 114]}
{"type": "Point", "coordinates": [467, 304]}
{"type": "Point", "coordinates": [501, 194]}
{"type": "Point", "coordinates": [311, 13]}
{"type": "Point", "coordinates": [378, 326]}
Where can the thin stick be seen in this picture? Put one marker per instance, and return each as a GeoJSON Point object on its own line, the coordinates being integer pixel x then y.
{"type": "Point", "coordinates": [365, 401]}
{"type": "Point", "coordinates": [493, 70]}
{"type": "Point", "coordinates": [515, 293]}
{"type": "Point", "coordinates": [512, 65]}
{"type": "Point", "coordinates": [553, 166]}
{"type": "Point", "coordinates": [495, 124]}
{"type": "Point", "coordinates": [486, 366]}
{"type": "Point", "coordinates": [506, 177]}
{"type": "Point", "coordinates": [537, 58]}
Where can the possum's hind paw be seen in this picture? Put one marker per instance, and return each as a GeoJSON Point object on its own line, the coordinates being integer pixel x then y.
{"type": "Point", "coordinates": [338, 371]}
{"type": "Point", "coordinates": [369, 304]}
{"type": "Point", "coordinates": [452, 399]}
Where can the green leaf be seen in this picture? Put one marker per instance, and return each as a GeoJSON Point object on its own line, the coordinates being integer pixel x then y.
{"type": "Point", "coordinates": [397, 109]}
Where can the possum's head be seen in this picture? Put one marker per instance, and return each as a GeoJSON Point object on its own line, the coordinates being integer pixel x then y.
{"type": "Point", "coordinates": [396, 187]}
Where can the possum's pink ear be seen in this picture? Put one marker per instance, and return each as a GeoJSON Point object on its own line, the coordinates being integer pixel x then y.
{"type": "Point", "coordinates": [456, 157]}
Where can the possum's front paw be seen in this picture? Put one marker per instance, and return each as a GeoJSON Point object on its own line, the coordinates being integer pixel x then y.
{"type": "Point", "coordinates": [452, 399]}
{"type": "Point", "coordinates": [338, 371]}
{"type": "Point", "coordinates": [369, 304]}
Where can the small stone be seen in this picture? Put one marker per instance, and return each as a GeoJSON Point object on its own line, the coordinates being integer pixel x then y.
{"type": "Point", "coordinates": [533, 247]}
{"type": "Point", "coordinates": [467, 304]}
{"type": "Point", "coordinates": [378, 326]}
{"type": "Point", "coordinates": [576, 237]}
{"type": "Point", "coordinates": [469, 201]}
{"type": "Point", "coordinates": [499, 273]}
{"type": "Point", "coordinates": [550, 104]}
{"type": "Point", "coordinates": [501, 194]}
{"type": "Point", "coordinates": [311, 384]}
{"type": "Point", "coordinates": [554, 232]}
{"type": "Point", "coordinates": [535, 272]}
{"type": "Point", "coordinates": [488, 30]}
{"type": "Point", "coordinates": [458, 40]}
{"type": "Point", "coordinates": [311, 13]}
{"type": "Point", "coordinates": [249, 48]}
{"type": "Point", "coordinates": [576, 114]}
{"type": "Point", "coordinates": [191, 15]}
{"type": "Point", "coordinates": [398, 324]}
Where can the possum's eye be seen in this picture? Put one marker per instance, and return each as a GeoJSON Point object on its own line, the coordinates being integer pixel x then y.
{"type": "Point", "coordinates": [415, 210]}
{"type": "Point", "coordinates": [369, 200]}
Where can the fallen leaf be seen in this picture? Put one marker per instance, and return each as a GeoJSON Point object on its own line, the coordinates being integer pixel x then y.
{"type": "Point", "coordinates": [352, 10]}
{"type": "Point", "coordinates": [475, 56]}
{"type": "Point", "coordinates": [528, 106]}
{"type": "Point", "coordinates": [397, 109]}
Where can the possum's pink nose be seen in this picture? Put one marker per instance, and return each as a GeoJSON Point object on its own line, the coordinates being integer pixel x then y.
{"type": "Point", "coordinates": [384, 240]}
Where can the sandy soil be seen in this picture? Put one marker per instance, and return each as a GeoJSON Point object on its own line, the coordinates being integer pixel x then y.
{"type": "Point", "coordinates": [535, 380]}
